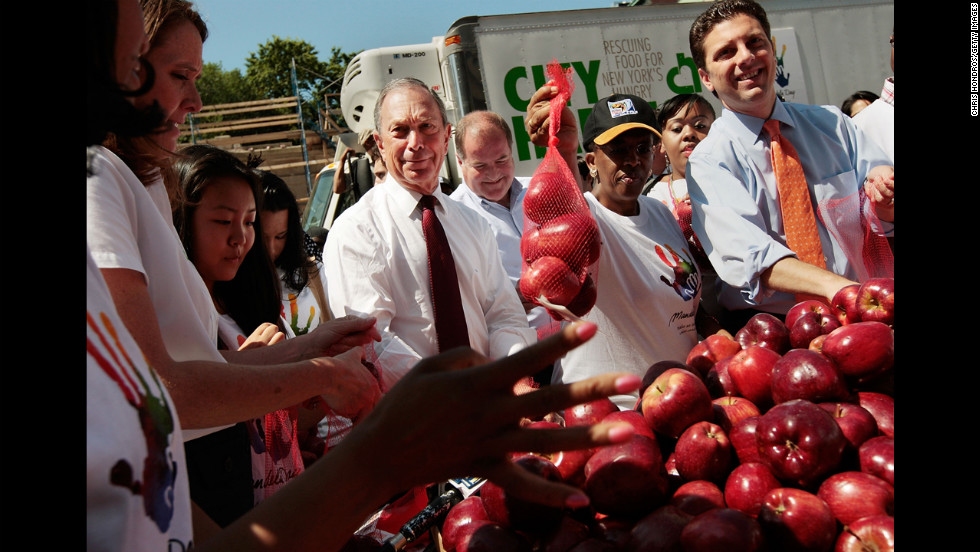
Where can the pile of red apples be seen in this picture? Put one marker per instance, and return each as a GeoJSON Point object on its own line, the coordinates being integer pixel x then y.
{"type": "Point", "coordinates": [780, 438]}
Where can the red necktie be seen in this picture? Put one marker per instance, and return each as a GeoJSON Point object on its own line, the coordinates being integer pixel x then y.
{"type": "Point", "coordinates": [799, 223]}
{"type": "Point", "coordinates": [446, 303]}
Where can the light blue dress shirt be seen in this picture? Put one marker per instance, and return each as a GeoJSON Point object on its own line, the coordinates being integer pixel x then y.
{"type": "Point", "coordinates": [735, 203]}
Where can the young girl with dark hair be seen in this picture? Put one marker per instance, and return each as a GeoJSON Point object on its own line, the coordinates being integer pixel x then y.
{"type": "Point", "coordinates": [303, 300]}
{"type": "Point", "coordinates": [295, 256]}
{"type": "Point", "coordinates": [219, 226]}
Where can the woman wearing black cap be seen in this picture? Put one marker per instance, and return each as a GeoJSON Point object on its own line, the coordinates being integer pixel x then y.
{"type": "Point", "coordinates": [649, 286]}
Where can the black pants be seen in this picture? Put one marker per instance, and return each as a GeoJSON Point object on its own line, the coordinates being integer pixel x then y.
{"type": "Point", "coordinates": [219, 471]}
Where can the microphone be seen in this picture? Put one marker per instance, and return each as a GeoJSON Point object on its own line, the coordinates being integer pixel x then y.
{"type": "Point", "coordinates": [433, 513]}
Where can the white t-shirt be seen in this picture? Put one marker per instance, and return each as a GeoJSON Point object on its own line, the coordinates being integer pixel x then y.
{"type": "Point", "coordinates": [301, 311]}
{"type": "Point", "coordinates": [661, 191]}
{"type": "Point", "coordinates": [878, 122]}
{"type": "Point", "coordinates": [130, 226]}
{"type": "Point", "coordinates": [137, 495]}
{"type": "Point", "coordinates": [645, 308]}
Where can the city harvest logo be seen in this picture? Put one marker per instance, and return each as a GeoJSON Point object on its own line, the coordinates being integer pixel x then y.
{"type": "Point", "coordinates": [621, 108]}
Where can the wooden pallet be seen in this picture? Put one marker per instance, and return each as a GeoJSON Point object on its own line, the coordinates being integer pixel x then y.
{"type": "Point", "coordinates": [270, 127]}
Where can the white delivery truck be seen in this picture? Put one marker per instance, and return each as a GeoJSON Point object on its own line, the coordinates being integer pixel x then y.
{"type": "Point", "coordinates": [825, 49]}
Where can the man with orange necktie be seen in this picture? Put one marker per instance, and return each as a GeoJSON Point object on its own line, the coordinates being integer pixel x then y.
{"type": "Point", "coordinates": [769, 249]}
{"type": "Point", "coordinates": [378, 252]}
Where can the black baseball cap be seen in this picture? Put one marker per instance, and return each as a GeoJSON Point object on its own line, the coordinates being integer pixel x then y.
{"type": "Point", "coordinates": [614, 115]}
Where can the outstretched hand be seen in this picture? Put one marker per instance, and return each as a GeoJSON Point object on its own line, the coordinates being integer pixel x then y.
{"type": "Point", "coordinates": [355, 387]}
{"type": "Point", "coordinates": [456, 414]}
{"type": "Point", "coordinates": [342, 334]}
{"type": "Point", "coordinates": [266, 334]}
{"type": "Point", "coordinates": [879, 186]}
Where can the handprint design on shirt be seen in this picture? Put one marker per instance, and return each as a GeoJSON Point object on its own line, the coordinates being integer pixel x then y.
{"type": "Point", "coordinates": [159, 471]}
{"type": "Point", "coordinates": [294, 316]}
{"type": "Point", "coordinates": [686, 278]}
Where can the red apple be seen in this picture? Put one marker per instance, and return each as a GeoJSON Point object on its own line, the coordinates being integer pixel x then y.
{"type": "Point", "coordinates": [853, 495]}
{"type": "Point", "coordinates": [719, 381]}
{"type": "Point", "coordinates": [594, 544]}
{"type": "Point", "coordinates": [548, 196]}
{"type": "Point", "coordinates": [520, 514]}
{"type": "Point", "coordinates": [877, 457]}
{"type": "Point", "coordinates": [552, 278]}
{"type": "Point", "coordinates": [614, 530]}
{"type": "Point", "coordinates": [635, 419]}
{"type": "Point", "coordinates": [710, 350]}
{"type": "Point", "coordinates": [800, 442]}
{"type": "Point", "coordinates": [703, 451]}
{"type": "Point", "coordinates": [589, 413]}
{"type": "Point", "coordinates": [764, 330]}
{"type": "Point", "coordinates": [808, 305]}
{"type": "Point", "coordinates": [857, 424]}
{"type": "Point", "coordinates": [797, 520]}
{"type": "Point", "coordinates": [572, 237]}
{"type": "Point", "coordinates": [724, 529]}
{"type": "Point", "coordinates": [862, 350]}
{"type": "Point", "coordinates": [490, 536]}
{"type": "Point", "coordinates": [744, 443]}
{"type": "Point", "coordinates": [876, 300]}
{"type": "Point", "coordinates": [529, 246]}
{"type": "Point", "coordinates": [731, 410]}
{"type": "Point", "coordinates": [674, 401]}
{"type": "Point", "coordinates": [882, 407]}
{"type": "Point", "coordinates": [659, 367]}
{"type": "Point", "coordinates": [751, 372]}
{"type": "Point", "coordinates": [626, 479]}
{"type": "Point", "coordinates": [659, 530]}
{"type": "Point", "coordinates": [467, 511]}
{"type": "Point", "coordinates": [816, 344]}
{"type": "Point", "coordinates": [568, 533]}
{"type": "Point", "coordinates": [748, 485]}
{"type": "Point", "coordinates": [570, 463]}
{"type": "Point", "coordinates": [698, 496]}
{"type": "Point", "coordinates": [844, 304]}
{"type": "Point", "coordinates": [805, 374]}
{"type": "Point", "coordinates": [584, 300]}
{"type": "Point", "coordinates": [670, 468]}
{"type": "Point", "coordinates": [808, 326]}
{"type": "Point", "coordinates": [870, 534]}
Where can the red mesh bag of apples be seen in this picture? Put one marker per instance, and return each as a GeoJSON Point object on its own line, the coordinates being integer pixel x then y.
{"type": "Point", "coordinates": [859, 232]}
{"type": "Point", "coordinates": [561, 241]}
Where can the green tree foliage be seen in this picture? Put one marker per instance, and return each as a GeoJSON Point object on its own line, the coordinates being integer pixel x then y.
{"type": "Point", "coordinates": [218, 86]}
{"type": "Point", "coordinates": [318, 83]}
{"type": "Point", "coordinates": [335, 74]}
{"type": "Point", "coordinates": [270, 68]}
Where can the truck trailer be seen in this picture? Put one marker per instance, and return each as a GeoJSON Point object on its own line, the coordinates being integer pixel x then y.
{"type": "Point", "coordinates": [825, 49]}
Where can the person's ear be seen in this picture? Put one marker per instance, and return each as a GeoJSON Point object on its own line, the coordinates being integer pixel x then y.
{"type": "Point", "coordinates": [706, 79]}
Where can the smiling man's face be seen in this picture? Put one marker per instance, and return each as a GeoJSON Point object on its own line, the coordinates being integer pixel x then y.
{"type": "Point", "coordinates": [740, 66]}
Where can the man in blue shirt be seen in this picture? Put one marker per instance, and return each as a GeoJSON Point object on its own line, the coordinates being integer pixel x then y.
{"type": "Point", "coordinates": [733, 188]}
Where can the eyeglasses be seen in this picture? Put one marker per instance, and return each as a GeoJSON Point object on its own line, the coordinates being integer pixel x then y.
{"type": "Point", "coordinates": [619, 151]}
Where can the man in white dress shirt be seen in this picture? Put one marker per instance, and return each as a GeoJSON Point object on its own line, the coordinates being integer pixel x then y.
{"type": "Point", "coordinates": [376, 254]}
